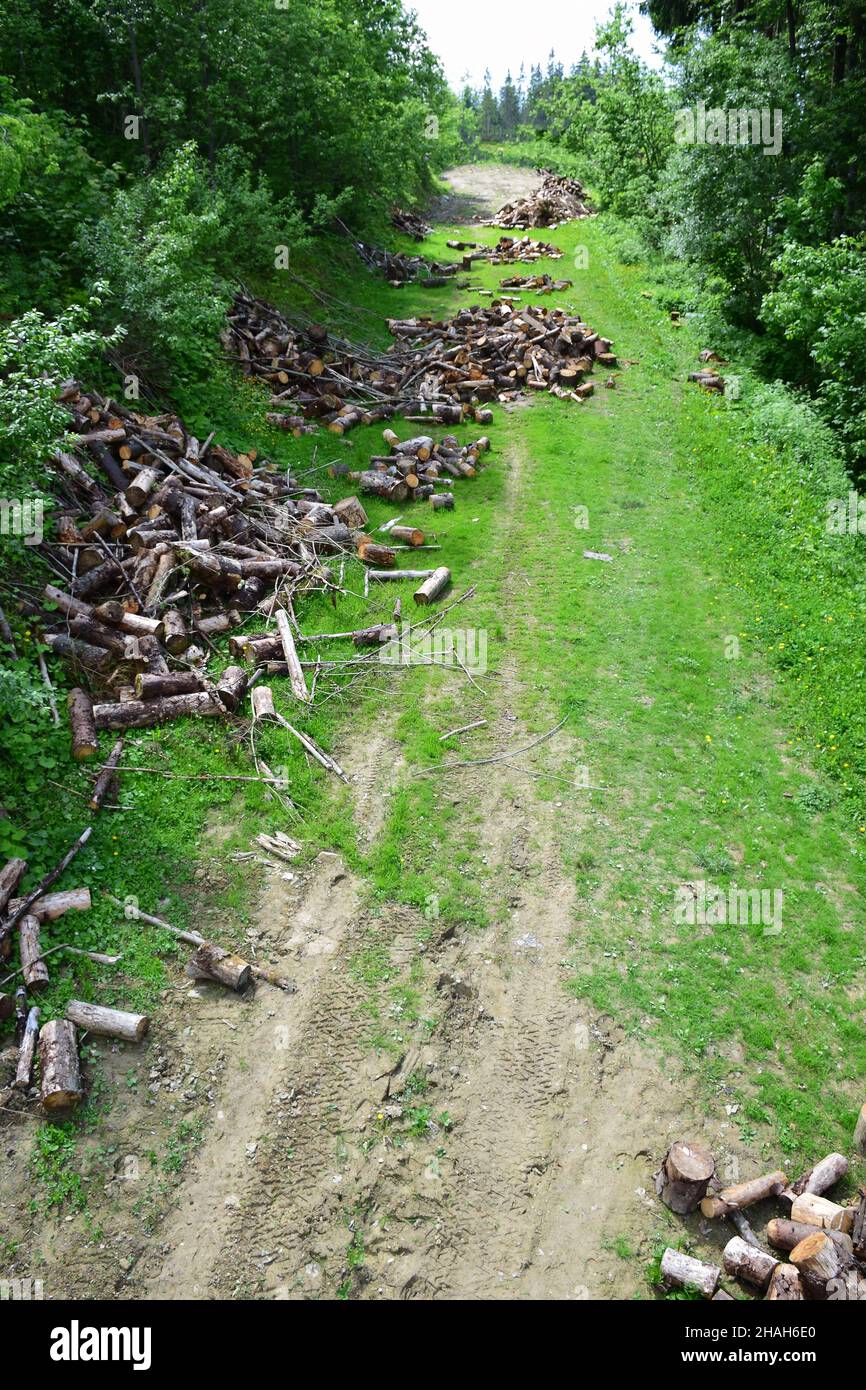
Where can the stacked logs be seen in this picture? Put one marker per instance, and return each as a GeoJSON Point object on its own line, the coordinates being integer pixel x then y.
{"type": "Point", "coordinates": [500, 352]}
{"type": "Point", "coordinates": [543, 284]}
{"type": "Point", "coordinates": [410, 223]}
{"type": "Point", "coordinates": [418, 469]}
{"type": "Point", "coordinates": [557, 199]}
{"type": "Point", "coordinates": [435, 366]}
{"type": "Point", "coordinates": [173, 543]}
{"type": "Point", "coordinates": [524, 249]}
{"type": "Point", "coordinates": [824, 1241]}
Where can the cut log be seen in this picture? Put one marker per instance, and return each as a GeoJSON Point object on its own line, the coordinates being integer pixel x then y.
{"type": "Point", "coordinates": [431, 589]}
{"type": "Point", "coordinates": [231, 686]}
{"type": "Point", "coordinates": [50, 906]}
{"type": "Point", "coordinates": [685, 1175]}
{"type": "Point", "coordinates": [743, 1194]}
{"type": "Point", "coordinates": [177, 639]}
{"type": "Point", "coordinates": [262, 700]}
{"type": "Point", "coordinates": [819, 1211]}
{"type": "Point", "coordinates": [33, 967]}
{"type": "Point", "coordinates": [59, 1069]}
{"type": "Point", "coordinates": [860, 1133]}
{"type": "Point", "coordinates": [858, 1230]}
{"type": "Point", "coordinates": [680, 1271]}
{"type": "Point", "coordinates": [27, 1052]}
{"type": "Point", "coordinates": [10, 876]}
{"type": "Point", "coordinates": [213, 963]}
{"type": "Point", "coordinates": [745, 1262]}
{"type": "Point", "coordinates": [11, 922]}
{"type": "Point", "coordinates": [818, 1259]}
{"type": "Point", "coordinates": [85, 742]}
{"type": "Point", "coordinates": [785, 1285]}
{"type": "Point", "coordinates": [7, 1007]}
{"type": "Point", "coordinates": [108, 1023]}
{"type": "Point", "coordinates": [149, 687]}
{"type": "Point", "coordinates": [296, 673]}
{"type": "Point", "coordinates": [144, 714]}
{"type": "Point", "coordinates": [824, 1175]}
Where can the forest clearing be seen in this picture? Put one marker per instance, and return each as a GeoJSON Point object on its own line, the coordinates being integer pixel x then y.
{"type": "Point", "coordinates": [451, 694]}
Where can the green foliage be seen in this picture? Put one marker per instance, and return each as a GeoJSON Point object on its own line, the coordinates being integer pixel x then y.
{"type": "Point", "coordinates": [37, 354]}
{"type": "Point", "coordinates": [48, 185]}
{"type": "Point", "coordinates": [816, 319]}
{"type": "Point", "coordinates": [622, 125]}
{"type": "Point", "coordinates": [169, 249]}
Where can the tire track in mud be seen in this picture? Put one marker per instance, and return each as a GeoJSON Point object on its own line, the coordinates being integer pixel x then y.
{"type": "Point", "coordinates": [314, 1185]}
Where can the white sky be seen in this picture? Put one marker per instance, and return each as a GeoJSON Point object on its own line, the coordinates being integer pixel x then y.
{"type": "Point", "coordinates": [471, 35]}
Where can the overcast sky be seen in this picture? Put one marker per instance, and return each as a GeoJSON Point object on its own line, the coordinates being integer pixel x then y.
{"type": "Point", "coordinates": [471, 35]}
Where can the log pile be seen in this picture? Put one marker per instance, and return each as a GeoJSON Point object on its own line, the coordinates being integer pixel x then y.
{"type": "Point", "coordinates": [174, 543]}
{"type": "Point", "coordinates": [444, 367]}
{"type": "Point", "coordinates": [500, 352]}
{"type": "Point", "coordinates": [399, 269]}
{"type": "Point", "coordinates": [543, 284]}
{"type": "Point", "coordinates": [824, 1241]}
{"type": "Point", "coordinates": [557, 199]}
{"type": "Point", "coordinates": [410, 223]}
{"type": "Point", "coordinates": [416, 469]}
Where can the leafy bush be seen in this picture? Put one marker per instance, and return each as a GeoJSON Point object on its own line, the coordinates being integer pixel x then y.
{"type": "Point", "coordinates": [171, 247]}
{"type": "Point", "coordinates": [816, 319]}
{"type": "Point", "coordinates": [37, 355]}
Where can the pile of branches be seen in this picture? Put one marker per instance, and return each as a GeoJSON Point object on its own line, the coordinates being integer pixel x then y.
{"type": "Point", "coordinates": [410, 223]}
{"type": "Point", "coordinates": [825, 1241]}
{"type": "Point", "coordinates": [399, 269]}
{"type": "Point", "coordinates": [444, 369]}
{"type": "Point", "coordinates": [557, 199]}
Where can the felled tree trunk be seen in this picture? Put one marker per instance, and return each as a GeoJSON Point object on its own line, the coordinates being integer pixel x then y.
{"type": "Point", "coordinates": [684, 1176]}
{"type": "Point", "coordinates": [27, 1052]}
{"type": "Point", "coordinates": [746, 1262]}
{"type": "Point", "coordinates": [296, 673]}
{"type": "Point", "coordinates": [785, 1285]}
{"type": "Point", "coordinates": [680, 1271]}
{"type": "Point", "coordinates": [213, 963]}
{"type": "Point", "coordinates": [231, 686]}
{"type": "Point", "coordinates": [33, 967]}
{"type": "Point", "coordinates": [109, 1023]}
{"type": "Point", "coordinates": [430, 590]}
{"type": "Point", "coordinates": [148, 687]}
{"type": "Point", "coordinates": [824, 1175]}
{"type": "Point", "coordinates": [85, 741]}
{"type": "Point", "coordinates": [744, 1194]}
{"type": "Point", "coordinates": [144, 714]}
{"type": "Point", "coordinates": [59, 1069]}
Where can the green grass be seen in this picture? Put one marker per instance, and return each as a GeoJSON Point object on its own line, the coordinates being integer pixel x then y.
{"type": "Point", "coordinates": [730, 761]}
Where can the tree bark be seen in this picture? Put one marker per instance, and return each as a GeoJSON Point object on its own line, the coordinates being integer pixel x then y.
{"type": "Point", "coordinates": [85, 742]}
{"type": "Point", "coordinates": [745, 1262]}
{"type": "Point", "coordinates": [108, 1023]}
{"type": "Point", "coordinates": [684, 1176]}
{"type": "Point", "coordinates": [680, 1271]}
{"type": "Point", "coordinates": [144, 714]}
{"type": "Point", "coordinates": [213, 963]}
{"type": "Point", "coordinates": [59, 1067]}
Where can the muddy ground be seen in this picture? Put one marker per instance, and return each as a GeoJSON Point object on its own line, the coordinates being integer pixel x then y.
{"type": "Point", "coordinates": [479, 190]}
